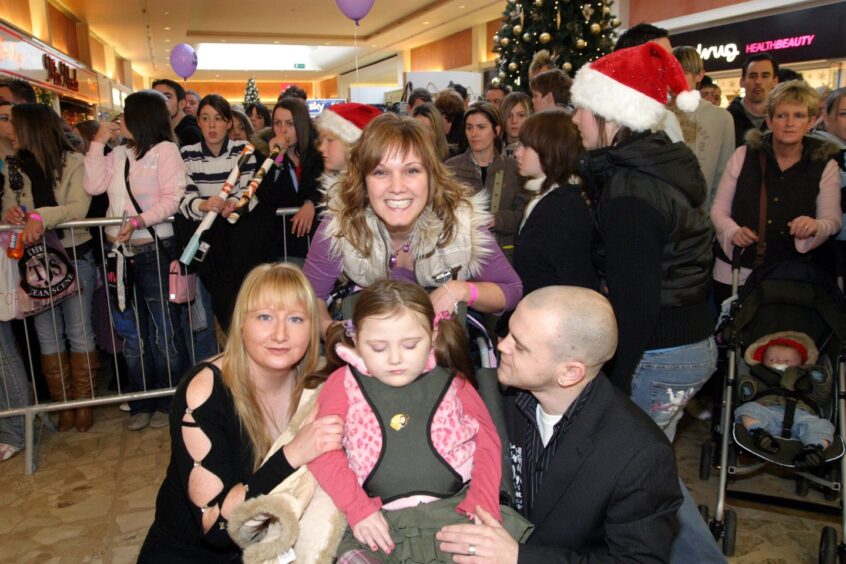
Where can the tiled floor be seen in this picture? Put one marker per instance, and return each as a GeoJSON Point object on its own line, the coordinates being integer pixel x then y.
{"type": "Point", "coordinates": [92, 499]}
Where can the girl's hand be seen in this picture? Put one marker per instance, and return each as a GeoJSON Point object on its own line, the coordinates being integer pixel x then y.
{"type": "Point", "coordinates": [803, 227]}
{"type": "Point", "coordinates": [373, 531]}
{"type": "Point", "coordinates": [126, 231]}
{"type": "Point", "coordinates": [744, 237]}
{"type": "Point", "coordinates": [213, 203]}
{"type": "Point", "coordinates": [33, 231]}
{"type": "Point", "coordinates": [106, 131]}
{"type": "Point", "coordinates": [280, 141]}
{"type": "Point", "coordinates": [302, 220]}
{"type": "Point", "coordinates": [15, 216]}
{"type": "Point", "coordinates": [316, 437]}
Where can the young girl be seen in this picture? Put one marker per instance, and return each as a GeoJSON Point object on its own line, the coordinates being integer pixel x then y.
{"type": "Point", "coordinates": [150, 166]}
{"type": "Point", "coordinates": [514, 110]}
{"type": "Point", "coordinates": [554, 242]}
{"type": "Point", "coordinates": [43, 187]}
{"type": "Point", "coordinates": [416, 430]}
{"type": "Point", "coordinates": [295, 181]}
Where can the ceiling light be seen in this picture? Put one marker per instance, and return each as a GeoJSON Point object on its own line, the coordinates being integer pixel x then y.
{"type": "Point", "coordinates": [217, 76]}
{"type": "Point", "coordinates": [167, 28]}
{"type": "Point", "coordinates": [461, 7]}
{"type": "Point", "coordinates": [425, 23]}
{"type": "Point", "coordinates": [167, 13]}
{"type": "Point", "coordinates": [276, 43]}
{"type": "Point", "coordinates": [167, 40]}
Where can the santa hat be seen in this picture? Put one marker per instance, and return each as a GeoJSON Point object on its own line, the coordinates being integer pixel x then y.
{"type": "Point", "coordinates": [346, 120]}
{"type": "Point", "coordinates": [630, 86]}
{"type": "Point", "coordinates": [793, 339]}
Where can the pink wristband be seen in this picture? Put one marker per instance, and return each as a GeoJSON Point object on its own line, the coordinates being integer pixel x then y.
{"type": "Point", "coordinates": [474, 294]}
{"type": "Point", "coordinates": [34, 215]}
{"type": "Point", "coordinates": [133, 221]}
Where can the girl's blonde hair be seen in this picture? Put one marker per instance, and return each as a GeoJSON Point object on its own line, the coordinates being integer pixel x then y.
{"type": "Point", "coordinates": [281, 286]}
{"type": "Point", "coordinates": [385, 136]}
{"type": "Point", "coordinates": [391, 297]}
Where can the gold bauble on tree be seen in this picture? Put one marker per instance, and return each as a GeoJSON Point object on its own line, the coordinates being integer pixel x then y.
{"type": "Point", "coordinates": [545, 37]}
{"type": "Point", "coordinates": [595, 28]}
{"type": "Point", "coordinates": [504, 41]}
{"type": "Point", "coordinates": [606, 10]}
{"type": "Point", "coordinates": [527, 37]}
{"type": "Point", "coordinates": [567, 67]}
{"type": "Point", "coordinates": [518, 29]}
{"type": "Point", "coordinates": [538, 3]}
{"type": "Point", "coordinates": [502, 75]}
{"type": "Point", "coordinates": [580, 43]}
{"type": "Point", "coordinates": [496, 39]}
{"type": "Point", "coordinates": [616, 22]}
{"type": "Point", "coordinates": [513, 67]}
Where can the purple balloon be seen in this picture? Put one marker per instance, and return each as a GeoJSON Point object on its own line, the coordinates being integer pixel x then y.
{"type": "Point", "coordinates": [183, 60]}
{"type": "Point", "coordinates": [355, 9]}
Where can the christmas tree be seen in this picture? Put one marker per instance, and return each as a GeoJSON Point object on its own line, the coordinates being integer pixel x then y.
{"type": "Point", "coordinates": [574, 32]}
{"type": "Point", "coordinates": [251, 94]}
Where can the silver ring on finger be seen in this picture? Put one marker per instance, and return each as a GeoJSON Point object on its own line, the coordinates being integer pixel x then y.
{"type": "Point", "coordinates": [471, 549]}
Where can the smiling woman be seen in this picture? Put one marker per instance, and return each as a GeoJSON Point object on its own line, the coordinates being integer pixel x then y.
{"type": "Point", "coordinates": [399, 213]}
{"type": "Point", "coordinates": [228, 413]}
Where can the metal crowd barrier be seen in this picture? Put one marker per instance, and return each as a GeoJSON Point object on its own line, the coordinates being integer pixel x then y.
{"type": "Point", "coordinates": [39, 409]}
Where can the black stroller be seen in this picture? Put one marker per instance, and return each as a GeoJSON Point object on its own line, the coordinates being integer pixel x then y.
{"type": "Point", "coordinates": [797, 296]}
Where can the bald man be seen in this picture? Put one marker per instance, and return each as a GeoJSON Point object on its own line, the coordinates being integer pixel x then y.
{"type": "Point", "coordinates": [592, 472]}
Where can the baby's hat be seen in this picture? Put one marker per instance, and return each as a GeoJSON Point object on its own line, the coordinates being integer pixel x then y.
{"type": "Point", "coordinates": [793, 339]}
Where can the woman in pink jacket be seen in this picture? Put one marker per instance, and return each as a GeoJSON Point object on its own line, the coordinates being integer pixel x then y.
{"type": "Point", "coordinates": [150, 171]}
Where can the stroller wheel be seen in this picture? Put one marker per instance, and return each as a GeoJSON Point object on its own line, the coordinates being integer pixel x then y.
{"type": "Point", "coordinates": [729, 532]}
{"type": "Point", "coordinates": [828, 546]}
{"type": "Point", "coordinates": [706, 459]}
{"type": "Point", "coordinates": [803, 486]}
{"type": "Point", "coordinates": [703, 511]}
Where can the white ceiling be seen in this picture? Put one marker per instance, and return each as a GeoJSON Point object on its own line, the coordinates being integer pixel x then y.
{"type": "Point", "coordinates": [138, 29]}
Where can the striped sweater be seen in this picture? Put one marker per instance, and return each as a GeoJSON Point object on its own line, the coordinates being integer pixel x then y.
{"type": "Point", "coordinates": [207, 173]}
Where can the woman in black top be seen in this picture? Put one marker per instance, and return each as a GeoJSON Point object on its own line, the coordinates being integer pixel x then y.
{"type": "Point", "coordinates": [228, 413]}
{"type": "Point", "coordinates": [295, 180]}
{"type": "Point", "coordinates": [554, 240]}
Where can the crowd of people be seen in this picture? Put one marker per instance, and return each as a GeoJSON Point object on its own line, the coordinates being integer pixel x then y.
{"type": "Point", "coordinates": [592, 222]}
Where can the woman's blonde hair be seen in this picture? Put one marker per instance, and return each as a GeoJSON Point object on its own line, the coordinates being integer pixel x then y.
{"type": "Point", "coordinates": [281, 286]}
{"type": "Point", "coordinates": [385, 136]}
{"type": "Point", "coordinates": [796, 92]}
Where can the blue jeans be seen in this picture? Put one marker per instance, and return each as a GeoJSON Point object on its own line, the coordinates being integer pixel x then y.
{"type": "Point", "coordinates": [663, 383]}
{"type": "Point", "coordinates": [69, 322]}
{"type": "Point", "coordinates": [14, 388]}
{"type": "Point", "coordinates": [666, 379]}
{"type": "Point", "coordinates": [153, 347]}
{"type": "Point", "coordinates": [807, 427]}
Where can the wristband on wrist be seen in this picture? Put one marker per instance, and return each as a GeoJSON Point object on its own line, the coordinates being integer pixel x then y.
{"type": "Point", "coordinates": [474, 294]}
{"type": "Point", "coordinates": [135, 222]}
{"type": "Point", "coordinates": [34, 215]}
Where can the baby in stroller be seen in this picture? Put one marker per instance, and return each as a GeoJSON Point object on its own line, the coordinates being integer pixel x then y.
{"type": "Point", "coordinates": [784, 394]}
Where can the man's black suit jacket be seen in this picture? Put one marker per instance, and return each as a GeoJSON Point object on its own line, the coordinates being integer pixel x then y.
{"type": "Point", "coordinates": [611, 492]}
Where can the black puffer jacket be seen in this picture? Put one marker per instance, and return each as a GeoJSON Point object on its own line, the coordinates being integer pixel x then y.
{"type": "Point", "coordinates": [653, 244]}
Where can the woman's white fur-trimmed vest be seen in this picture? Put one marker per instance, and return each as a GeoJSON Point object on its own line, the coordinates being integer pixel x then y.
{"type": "Point", "coordinates": [470, 246]}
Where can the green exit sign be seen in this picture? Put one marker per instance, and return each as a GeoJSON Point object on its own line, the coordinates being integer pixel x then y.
{"type": "Point", "coordinates": [299, 65]}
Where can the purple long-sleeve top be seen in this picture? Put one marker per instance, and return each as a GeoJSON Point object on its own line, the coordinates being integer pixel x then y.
{"type": "Point", "coordinates": [322, 269]}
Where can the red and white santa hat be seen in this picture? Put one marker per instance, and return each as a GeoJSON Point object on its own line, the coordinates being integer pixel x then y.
{"type": "Point", "coordinates": [346, 120]}
{"type": "Point", "coordinates": [630, 86]}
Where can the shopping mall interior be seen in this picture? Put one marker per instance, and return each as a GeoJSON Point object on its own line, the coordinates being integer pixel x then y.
{"type": "Point", "coordinates": [90, 497]}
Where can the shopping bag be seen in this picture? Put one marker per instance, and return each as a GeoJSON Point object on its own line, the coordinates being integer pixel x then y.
{"type": "Point", "coordinates": [47, 276]}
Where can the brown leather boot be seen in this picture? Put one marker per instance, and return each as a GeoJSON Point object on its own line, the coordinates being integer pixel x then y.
{"type": "Point", "coordinates": [56, 369]}
{"type": "Point", "coordinates": [83, 371]}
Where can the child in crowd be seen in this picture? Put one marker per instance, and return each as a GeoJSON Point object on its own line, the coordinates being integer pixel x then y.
{"type": "Point", "coordinates": [790, 357]}
{"type": "Point", "coordinates": [338, 129]}
{"type": "Point", "coordinates": [416, 430]}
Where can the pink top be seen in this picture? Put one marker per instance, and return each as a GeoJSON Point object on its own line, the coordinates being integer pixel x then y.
{"type": "Point", "coordinates": [462, 433]}
{"type": "Point", "coordinates": [829, 217]}
{"type": "Point", "coordinates": [157, 181]}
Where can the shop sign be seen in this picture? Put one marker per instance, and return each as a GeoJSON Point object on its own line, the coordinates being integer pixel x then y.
{"type": "Point", "coordinates": [315, 106]}
{"type": "Point", "coordinates": [44, 66]}
{"type": "Point", "coordinates": [803, 35]}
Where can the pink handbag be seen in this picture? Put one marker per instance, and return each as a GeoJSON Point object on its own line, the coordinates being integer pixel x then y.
{"type": "Point", "coordinates": [182, 286]}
